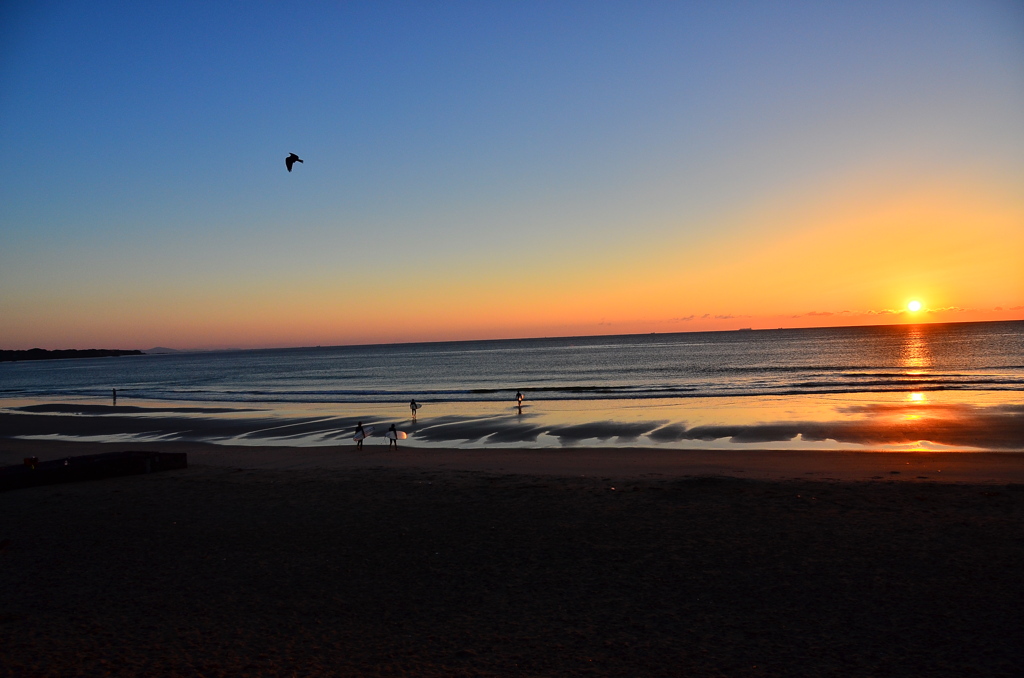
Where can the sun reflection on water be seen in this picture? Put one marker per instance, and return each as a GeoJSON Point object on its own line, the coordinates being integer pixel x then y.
{"type": "Point", "coordinates": [915, 398]}
{"type": "Point", "coordinates": [915, 355]}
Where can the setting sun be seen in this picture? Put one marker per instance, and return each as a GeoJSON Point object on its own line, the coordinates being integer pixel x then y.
{"type": "Point", "coordinates": [914, 306]}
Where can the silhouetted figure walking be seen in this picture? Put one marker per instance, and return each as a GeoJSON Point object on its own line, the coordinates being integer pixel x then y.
{"type": "Point", "coordinates": [362, 435]}
{"type": "Point", "coordinates": [413, 405]}
{"type": "Point", "coordinates": [393, 437]}
{"type": "Point", "coordinates": [115, 395]}
{"type": "Point", "coordinates": [519, 400]}
{"type": "Point", "coordinates": [291, 160]}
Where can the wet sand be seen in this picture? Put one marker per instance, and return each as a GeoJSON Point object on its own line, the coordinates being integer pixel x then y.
{"type": "Point", "coordinates": [583, 562]}
{"type": "Point", "coordinates": [943, 421]}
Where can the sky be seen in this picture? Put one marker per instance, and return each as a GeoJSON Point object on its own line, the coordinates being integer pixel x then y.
{"type": "Point", "coordinates": [501, 169]}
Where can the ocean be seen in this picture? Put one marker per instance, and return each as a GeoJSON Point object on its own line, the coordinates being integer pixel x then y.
{"type": "Point", "coordinates": [849, 386]}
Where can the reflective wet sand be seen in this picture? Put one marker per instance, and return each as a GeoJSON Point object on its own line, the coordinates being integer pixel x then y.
{"type": "Point", "coordinates": [936, 421]}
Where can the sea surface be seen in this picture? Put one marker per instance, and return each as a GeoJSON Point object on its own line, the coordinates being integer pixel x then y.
{"type": "Point", "coordinates": [935, 386]}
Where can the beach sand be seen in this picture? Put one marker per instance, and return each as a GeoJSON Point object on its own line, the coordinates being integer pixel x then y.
{"type": "Point", "coordinates": [274, 561]}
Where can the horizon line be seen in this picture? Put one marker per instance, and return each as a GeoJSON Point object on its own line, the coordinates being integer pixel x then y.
{"type": "Point", "coordinates": [569, 336]}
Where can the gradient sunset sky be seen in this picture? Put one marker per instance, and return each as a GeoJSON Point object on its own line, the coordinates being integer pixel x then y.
{"type": "Point", "coordinates": [503, 169]}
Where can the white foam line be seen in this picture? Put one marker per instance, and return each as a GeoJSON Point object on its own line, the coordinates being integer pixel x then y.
{"type": "Point", "coordinates": [301, 423]}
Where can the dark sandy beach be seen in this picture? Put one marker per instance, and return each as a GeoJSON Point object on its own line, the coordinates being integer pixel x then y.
{"type": "Point", "coordinates": [281, 562]}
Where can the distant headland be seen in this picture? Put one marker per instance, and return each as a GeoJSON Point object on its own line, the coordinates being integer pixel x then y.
{"type": "Point", "coordinates": [43, 354]}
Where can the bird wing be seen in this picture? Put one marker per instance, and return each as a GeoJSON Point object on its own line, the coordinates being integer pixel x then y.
{"type": "Point", "coordinates": [288, 162]}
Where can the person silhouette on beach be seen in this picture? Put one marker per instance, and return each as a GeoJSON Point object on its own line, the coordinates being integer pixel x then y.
{"type": "Point", "coordinates": [360, 432]}
{"type": "Point", "coordinates": [114, 395]}
{"type": "Point", "coordinates": [519, 400]}
{"type": "Point", "coordinates": [392, 437]}
{"type": "Point", "coordinates": [413, 406]}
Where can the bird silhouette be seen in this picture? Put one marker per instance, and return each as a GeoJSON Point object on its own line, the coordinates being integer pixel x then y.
{"type": "Point", "coordinates": [291, 160]}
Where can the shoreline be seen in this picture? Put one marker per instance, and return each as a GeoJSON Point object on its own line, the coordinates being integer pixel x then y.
{"type": "Point", "coordinates": [967, 467]}
{"type": "Point", "coordinates": [899, 422]}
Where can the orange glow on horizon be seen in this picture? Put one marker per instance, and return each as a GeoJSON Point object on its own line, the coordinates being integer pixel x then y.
{"type": "Point", "coordinates": [829, 260]}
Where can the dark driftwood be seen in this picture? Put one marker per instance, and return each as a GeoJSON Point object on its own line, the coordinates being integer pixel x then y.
{"type": "Point", "coordinates": [89, 467]}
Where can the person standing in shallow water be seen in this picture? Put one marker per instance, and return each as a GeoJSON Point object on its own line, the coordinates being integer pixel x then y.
{"type": "Point", "coordinates": [413, 406]}
{"type": "Point", "coordinates": [519, 400]}
{"type": "Point", "coordinates": [393, 437]}
{"type": "Point", "coordinates": [114, 395]}
{"type": "Point", "coordinates": [360, 432]}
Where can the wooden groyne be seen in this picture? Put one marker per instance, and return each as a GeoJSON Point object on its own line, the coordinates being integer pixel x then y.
{"type": "Point", "coordinates": [89, 467]}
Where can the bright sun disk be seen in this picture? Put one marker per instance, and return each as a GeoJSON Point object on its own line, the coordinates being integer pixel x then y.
{"type": "Point", "coordinates": [914, 306]}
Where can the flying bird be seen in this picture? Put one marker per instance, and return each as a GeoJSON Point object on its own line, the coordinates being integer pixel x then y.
{"type": "Point", "coordinates": [291, 160]}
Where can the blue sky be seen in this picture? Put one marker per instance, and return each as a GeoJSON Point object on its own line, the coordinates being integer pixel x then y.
{"type": "Point", "coordinates": [452, 146]}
